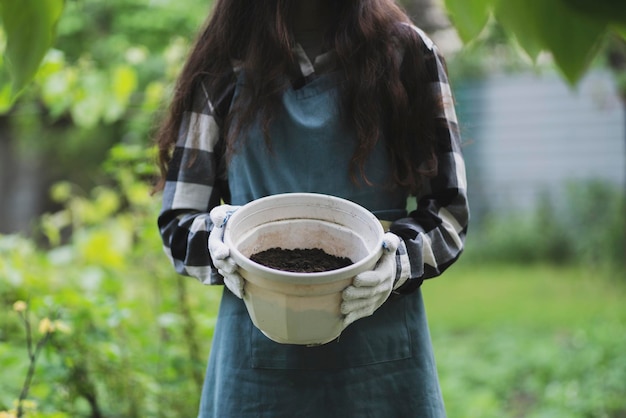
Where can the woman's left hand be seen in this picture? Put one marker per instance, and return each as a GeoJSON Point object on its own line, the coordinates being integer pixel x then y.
{"type": "Point", "coordinates": [220, 253]}
{"type": "Point", "coordinates": [370, 289]}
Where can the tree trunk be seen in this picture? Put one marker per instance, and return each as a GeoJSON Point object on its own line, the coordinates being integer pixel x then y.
{"type": "Point", "coordinates": [21, 183]}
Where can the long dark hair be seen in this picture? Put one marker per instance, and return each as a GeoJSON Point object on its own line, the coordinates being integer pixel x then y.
{"type": "Point", "coordinates": [382, 71]}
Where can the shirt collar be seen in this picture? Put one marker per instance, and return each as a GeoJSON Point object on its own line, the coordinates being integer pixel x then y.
{"type": "Point", "coordinates": [323, 63]}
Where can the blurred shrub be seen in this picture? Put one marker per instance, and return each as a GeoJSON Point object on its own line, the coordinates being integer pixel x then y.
{"type": "Point", "coordinates": [588, 227]}
{"type": "Point", "coordinates": [136, 339]}
{"type": "Point", "coordinates": [132, 337]}
{"type": "Point", "coordinates": [524, 373]}
{"type": "Point", "coordinates": [104, 82]}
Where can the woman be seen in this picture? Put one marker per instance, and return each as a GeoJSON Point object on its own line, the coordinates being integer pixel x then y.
{"type": "Point", "coordinates": [345, 98]}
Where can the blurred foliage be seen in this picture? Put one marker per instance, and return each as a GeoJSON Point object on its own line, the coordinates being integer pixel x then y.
{"type": "Point", "coordinates": [130, 341]}
{"type": "Point", "coordinates": [588, 227]}
{"type": "Point", "coordinates": [105, 81]}
{"type": "Point", "coordinates": [538, 25]}
{"type": "Point", "coordinates": [100, 47]}
{"type": "Point", "coordinates": [496, 53]}
{"type": "Point", "coordinates": [571, 30]}
{"type": "Point", "coordinates": [525, 373]}
{"type": "Point", "coordinates": [30, 29]}
{"type": "Point", "coordinates": [129, 338]}
{"type": "Point", "coordinates": [533, 340]}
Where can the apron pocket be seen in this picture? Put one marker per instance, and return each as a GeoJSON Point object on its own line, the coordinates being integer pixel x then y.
{"type": "Point", "coordinates": [379, 338]}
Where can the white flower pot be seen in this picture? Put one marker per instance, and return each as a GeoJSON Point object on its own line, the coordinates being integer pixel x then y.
{"type": "Point", "coordinates": [301, 308]}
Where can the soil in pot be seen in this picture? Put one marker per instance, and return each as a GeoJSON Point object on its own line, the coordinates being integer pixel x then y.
{"type": "Point", "coordinates": [300, 260]}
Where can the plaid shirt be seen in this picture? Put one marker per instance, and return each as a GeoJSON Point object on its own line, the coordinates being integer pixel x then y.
{"type": "Point", "coordinates": [432, 235]}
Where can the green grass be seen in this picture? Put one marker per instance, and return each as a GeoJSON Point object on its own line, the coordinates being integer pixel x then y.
{"type": "Point", "coordinates": [529, 341]}
{"type": "Point", "coordinates": [536, 296]}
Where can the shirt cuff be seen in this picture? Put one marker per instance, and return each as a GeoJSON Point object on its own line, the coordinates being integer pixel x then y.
{"type": "Point", "coordinates": [403, 266]}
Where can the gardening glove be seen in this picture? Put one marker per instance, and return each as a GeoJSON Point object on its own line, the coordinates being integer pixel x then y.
{"type": "Point", "coordinates": [370, 289]}
{"type": "Point", "coordinates": [220, 253]}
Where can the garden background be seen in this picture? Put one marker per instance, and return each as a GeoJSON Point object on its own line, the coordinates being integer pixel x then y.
{"type": "Point", "coordinates": [531, 322]}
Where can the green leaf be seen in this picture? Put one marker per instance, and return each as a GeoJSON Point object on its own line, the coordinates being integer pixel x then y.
{"type": "Point", "coordinates": [469, 17]}
{"type": "Point", "coordinates": [30, 27]}
{"type": "Point", "coordinates": [609, 11]}
{"type": "Point", "coordinates": [91, 97]}
{"type": "Point", "coordinates": [619, 30]}
{"type": "Point", "coordinates": [124, 83]}
{"type": "Point", "coordinates": [551, 25]}
{"type": "Point", "coordinates": [573, 38]}
{"type": "Point", "coordinates": [519, 17]}
{"type": "Point", "coordinates": [5, 98]}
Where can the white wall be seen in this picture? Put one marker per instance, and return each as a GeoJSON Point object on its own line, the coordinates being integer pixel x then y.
{"type": "Point", "coordinates": [526, 134]}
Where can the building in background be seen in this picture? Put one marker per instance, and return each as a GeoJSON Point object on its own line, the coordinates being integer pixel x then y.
{"type": "Point", "coordinates": [528, 136]}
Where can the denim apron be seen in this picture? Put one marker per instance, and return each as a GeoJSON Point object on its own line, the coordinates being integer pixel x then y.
{"type": "Point", "coordinates": [380, 366]}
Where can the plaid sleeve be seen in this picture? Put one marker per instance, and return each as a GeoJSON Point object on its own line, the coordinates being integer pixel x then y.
{"type": "Point", "coordinates": [434, 234]}
{"type": "Point", "coordinates": [193, 188]}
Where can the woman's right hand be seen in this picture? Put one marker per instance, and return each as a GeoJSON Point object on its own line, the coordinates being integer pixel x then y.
{"type": "Point", "coordinates": [370, 289]}
{"type": "Point", "coordinates": [220, 253]}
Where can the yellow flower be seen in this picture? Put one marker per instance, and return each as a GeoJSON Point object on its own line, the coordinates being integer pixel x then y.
{"type": "Point", "coordinates": [19, 306]}
{"type": "Point", "coordinates": [46, 326]}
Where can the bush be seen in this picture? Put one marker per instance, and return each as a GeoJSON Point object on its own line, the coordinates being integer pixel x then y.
{"type": "Point", "coordinates": [126, 342]}
{"type": "Point", "coordinates": [523, 373]}
{"type": "Point", "coordinates": [588, 227]}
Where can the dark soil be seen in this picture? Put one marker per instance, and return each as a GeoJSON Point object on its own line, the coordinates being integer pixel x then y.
{"type": "Point", "coordinates": [308, 260]}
